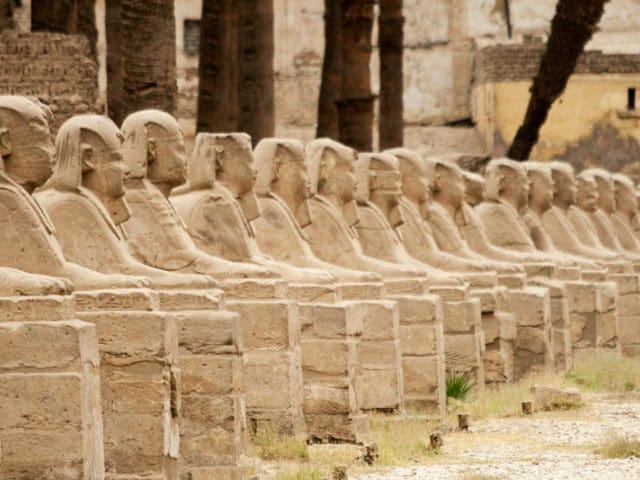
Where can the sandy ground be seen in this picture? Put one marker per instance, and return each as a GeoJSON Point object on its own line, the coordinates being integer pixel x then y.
{"type": "Point", "coordinates": [554, 446]}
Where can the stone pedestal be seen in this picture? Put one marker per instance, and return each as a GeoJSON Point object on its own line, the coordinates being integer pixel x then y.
{"type": "Point", "coordinates": [534, 352]}
{"type": "Point", "coordinates": [50, 402]}
{"type": "Point", "coordinates": [422, 346]}
{"type": "Point", "coordinates": [592, 309]}
{"type": "Point", "coordinates": [271, 364]}
{"type": "Point", "coordinates": [560, 320]}
{"type": "Point", "coordinates": [140, 381]}
{"type": "Point", "coordinates": [212, 421]}
{"type": "Point", "coordinates": [628, 313]}
{"type": "Point", "coordinates": [496, 349]}
{"type": "Point", "coordinates": [464, 340]}
{"type": "Point", "coordinates": [330, 342]}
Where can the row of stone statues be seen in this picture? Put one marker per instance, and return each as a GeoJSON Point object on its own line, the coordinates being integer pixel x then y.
{"type": "Point", "coordinates": [285, 286]}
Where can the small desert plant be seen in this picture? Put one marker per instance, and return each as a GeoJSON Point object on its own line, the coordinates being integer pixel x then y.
{"type": "Point", "coordinates": [304, 473]}
{"type": "Point", "coordinates": [619, 446]}
{"type": "Point", "coordinates": [458, 386]}
{"type": "Point", "coordinates": [606, 372]}
{"type": "Point", "coordinates": [403, 441]}
{"type": "Point", "coordinates": [478, 476]}
{"type": "Point", "coordinates": [269, 444]}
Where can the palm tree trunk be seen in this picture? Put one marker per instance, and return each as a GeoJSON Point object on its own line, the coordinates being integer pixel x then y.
{"type": "Point", "coordinates": [218, 67]}
{"type": "Point", "coordinates": [148, 35]}
{"type": "Point", "coordinates": [391, 39]}
{"type": "Point", "coordinates": [66, 16]}
{"type": "Point", "coordinates": [115, 60]}
{"type": "Point", "coordinates": [256, 114]}
{"type": "Point", "coordinates": [355, 107]}
{"type": "Point", "coordinates": [331, 72]}
{"type": "Point", "coordinates": [571, 28]}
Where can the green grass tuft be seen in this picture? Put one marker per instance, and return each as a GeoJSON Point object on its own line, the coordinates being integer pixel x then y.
{"type": "Point", "coordinates": [606, 372]}
{"type": "Point", "coordinates": [620, 447]}
{"type": "Point", "coordinates": [458, 386]}
{"type": "Point", "coordinates": [268, 444]}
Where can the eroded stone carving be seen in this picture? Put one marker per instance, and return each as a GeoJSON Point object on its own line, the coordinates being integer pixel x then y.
{"type": "Point", "coordinates": [85, 200]}
{"type": "Point", "coordinates": [28, 237]}
{"type": "Point", "coordinates": [155, 153]}
{"type": "Point", "coordinates": [219, 203]}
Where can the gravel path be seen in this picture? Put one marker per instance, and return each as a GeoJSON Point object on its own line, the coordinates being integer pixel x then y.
{"type": "Point", "coordinates": [543, 447]}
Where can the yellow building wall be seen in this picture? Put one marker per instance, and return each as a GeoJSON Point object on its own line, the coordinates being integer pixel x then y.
{"type": "Point", "coordinates": [590, 121]}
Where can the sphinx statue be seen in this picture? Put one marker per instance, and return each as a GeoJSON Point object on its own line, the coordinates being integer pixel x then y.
{"type": "Point", "coordinates": [600, 216]}
{"type": "Point", "coordinates": [626, 210]}
{"type": "Point", "coordinates": [556, 220]}
{"type": "Point", "coordinates": [581, 214]}
{"type": "Point", "coordinates": [378, 196]}
{"type": "Point", "coordinates": [28, 240]}
{"type": "Point", "coordinates": [155, 154]}
{"type": "Point", "coordinates": [473, 232]}
{"type": "Point", "coordinates": [85, 200]}
{"type": "Point", "coordinates": [417, 233]}
{"type": "Point", "coordinates": [332, 234]}
{"type": "Point", "coordinates": [540, 202]}
{"type": "Point", "coordinates": [283, 191]}
{"type": "Point", "coordinates": [218, 204]}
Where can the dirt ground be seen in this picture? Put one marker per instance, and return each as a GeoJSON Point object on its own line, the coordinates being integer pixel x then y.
{"type": "Point", "coordinates": [553, 446]}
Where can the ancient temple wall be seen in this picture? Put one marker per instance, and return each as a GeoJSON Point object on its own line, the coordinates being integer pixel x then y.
{"type": "Point", "coordinates": [593, 111]}
{"type": "Point", "coordinates": [56, 68]}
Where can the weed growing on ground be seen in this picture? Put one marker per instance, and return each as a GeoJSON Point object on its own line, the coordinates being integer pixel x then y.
{"type": "Point", "coordinates": [478, 476]}
{"type": "Point", "coordinates": [403, 440]}
{"type": "Point", "coordinates": [606, 372]}
{"type": "Point", "coordinates": [269, 444]}
{"type": "Point", "coordinates": [305, 472]}
{"type": "Point", "coordinates": [458, 386]}
{"type": "Point", "coordinates": [620, 447]}
{"type": "Point", "coordinates": [504, 400]}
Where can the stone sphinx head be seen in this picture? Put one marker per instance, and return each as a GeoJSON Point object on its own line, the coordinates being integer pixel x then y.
{"type": "Point", "coordinates": [416, 181]}
{"type": "Point", "coordinates": [26, 148]}
{"type": "Point", "coordinates": [154, 148]}
{"type": "Point", "coordinates": [540, 186]}
{"type": "Point", "coordinates": [507, 180]}
{"type": "Point", "coordinates": [448, 183]}
{"type": "Point", "coordinates": [625, 195]}
{"type": "Point", "coordinates": [226, 159]}
{"type": "Point", "coordinates": [379, 182]}
{"type": "Point", "coordinates": [282, 171]}
{"type": "Point", "coordinates": [331, 169]}
{"type": "Point", "coordinates": [89, 155]}
{"type": "Point", "coordinates": [474, 188]}
{"type": "Point", "coordinates": [587, 192]}
{"type": "Point", "coordinates": [564, 184]}
{"type": "Point", "coordinates": [604, 184]}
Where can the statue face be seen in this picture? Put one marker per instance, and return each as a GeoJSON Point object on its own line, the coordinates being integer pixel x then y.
{"type": "Point", "coordinates": [386, 185]}
{"type": "Point", "coordinates": [32, 153]}
{"type": "Point", "coordinates": [606, 196]}
{"type": "Point", "coordinates": [515, 185]}
{"type": "Point", "coordinates": [541, 191]}
{"type": "Point", "coordinates": [167, 154]}
{"type": "Point", "coordinates": [450, 183]}
{"type": "Point", "coordinates": [625, 198]}
{"type": "Point", "coordinates": [238, 171]}
{"type": "Point", "coordinates": [587, 195]}
{"type": "Point", "coordinates": [108, 169]}
{"type": "Point", "coordinates": [292, 176]}
{"type": "Point", "coordinates": [338, 177]}
{"type": "Point", "coordinates": [474, 192]}
{"type": "Point", "coordinates": [417, 186]}
{"type": "Point", "coordinates": [565, 189]}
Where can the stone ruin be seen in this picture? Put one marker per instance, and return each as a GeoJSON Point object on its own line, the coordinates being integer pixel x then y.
{"type": "Point", "coordinates": [148, 327]}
